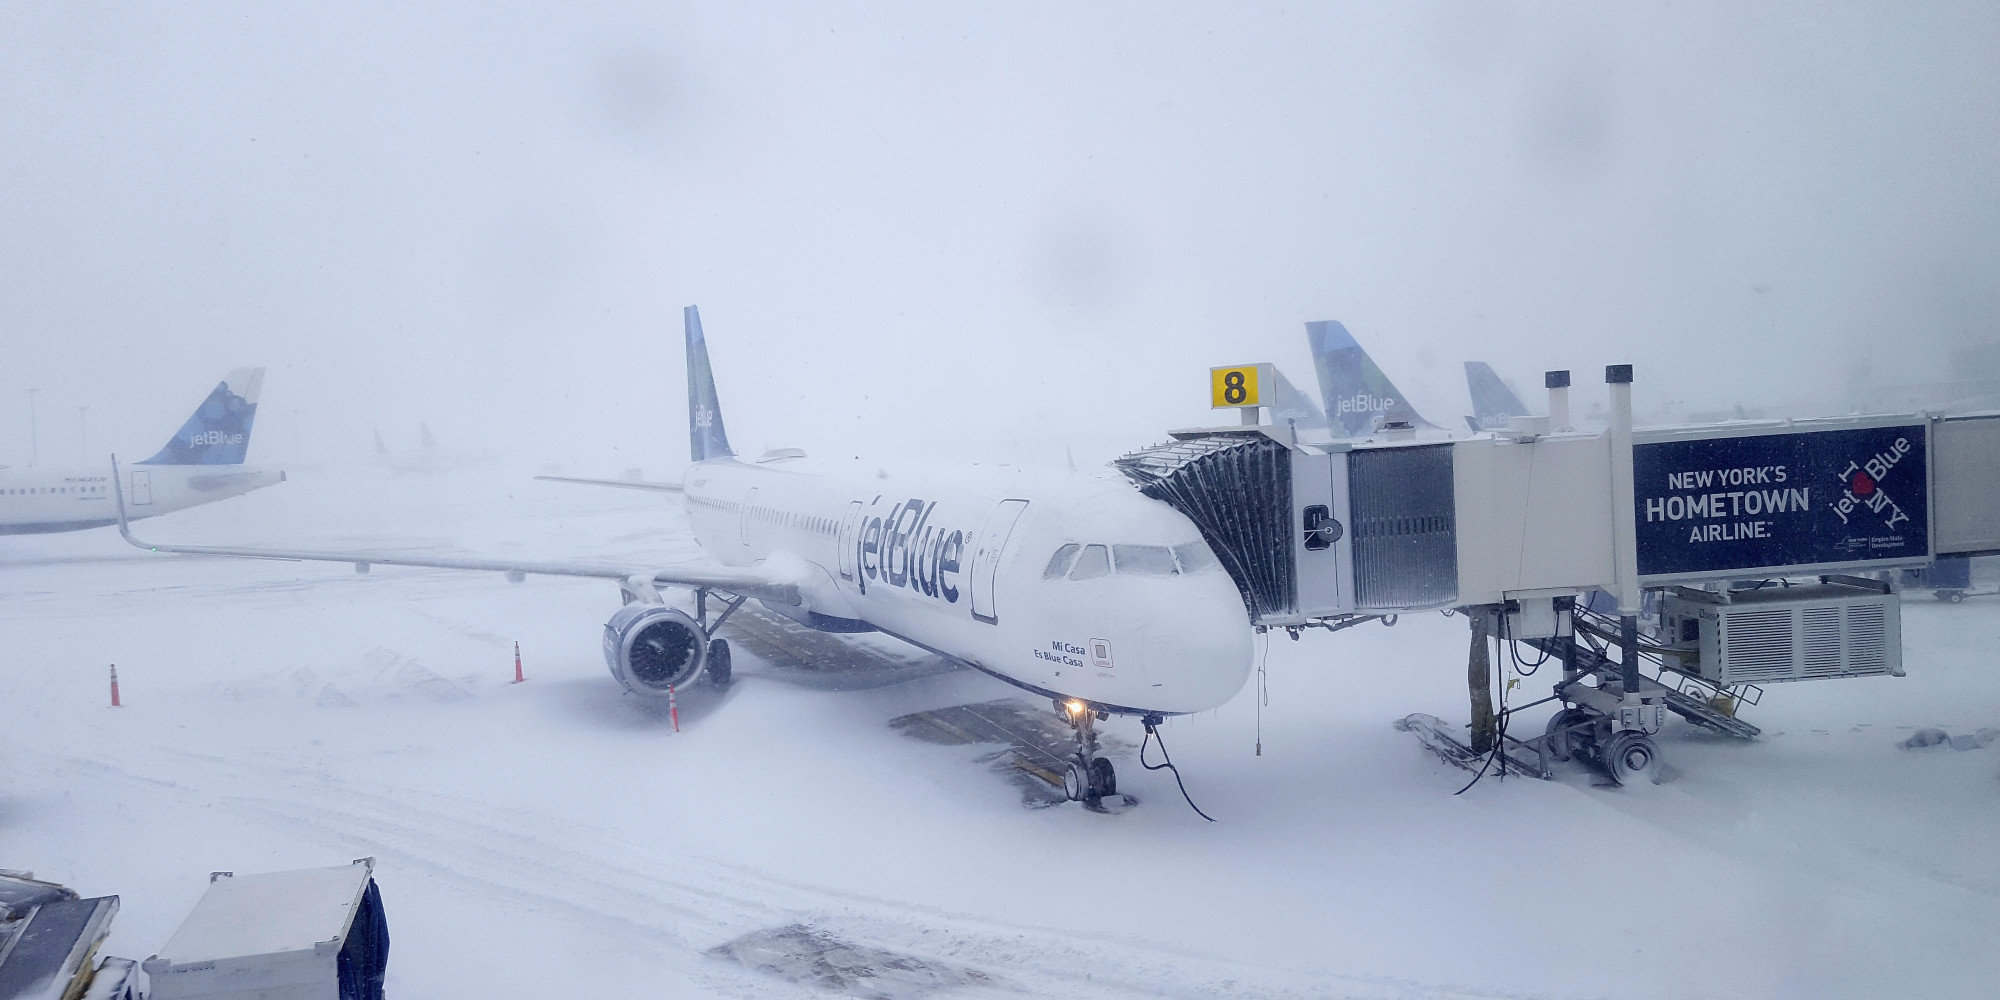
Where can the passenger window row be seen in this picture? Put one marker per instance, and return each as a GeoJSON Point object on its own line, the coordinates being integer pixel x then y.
{"type": "Point", "coordinates": [52, 489]}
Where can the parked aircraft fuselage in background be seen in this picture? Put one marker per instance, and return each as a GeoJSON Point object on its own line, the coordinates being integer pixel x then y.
{"type": "Point", "coordinates": [201, 463]}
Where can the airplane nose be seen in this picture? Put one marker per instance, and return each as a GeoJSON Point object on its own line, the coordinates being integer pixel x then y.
{"type": "Point", "coordinates": [1199, 653]}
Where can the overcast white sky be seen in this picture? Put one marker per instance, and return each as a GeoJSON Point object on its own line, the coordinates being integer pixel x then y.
{"type": "Point", "coordinates": [1005, 228]}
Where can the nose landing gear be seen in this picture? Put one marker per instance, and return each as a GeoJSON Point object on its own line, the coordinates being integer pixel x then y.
{"type": "Point", "coordinates": [1089, 779]}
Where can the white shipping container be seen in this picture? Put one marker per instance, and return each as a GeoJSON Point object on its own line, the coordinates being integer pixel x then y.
{"type": "Point", "coordinates": [276, 936]}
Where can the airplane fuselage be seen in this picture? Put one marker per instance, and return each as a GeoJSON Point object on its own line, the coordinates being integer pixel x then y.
{"type": "Point", "coordinates": [1068, 586]}
{"type": "Point", "coordinates": [39, 500]}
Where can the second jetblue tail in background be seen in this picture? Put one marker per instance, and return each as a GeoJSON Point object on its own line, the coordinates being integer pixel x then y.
{"type": "Point", "coordinates": [706, 438]}
{"type": "Point", "coordinates": [1356, 392]}
{"type": "Point", "coordinates": [1492, 401]}
{"type": "Point", "coordinates": [219, 431]}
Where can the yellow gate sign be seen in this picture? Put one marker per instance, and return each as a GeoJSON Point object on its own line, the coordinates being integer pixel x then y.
{"type": "Point", "coordinates": [1236, 385]}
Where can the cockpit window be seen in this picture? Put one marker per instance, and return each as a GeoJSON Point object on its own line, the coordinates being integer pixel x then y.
{"type": "Point", "coordinates": [1194, 556]}
{"type": "Point", "coordinates": [1088, 562]}
{"type": "Point", "coordinates": [1059, 563]}
{"type": "Point", "coordinates": [1095, 561]}
{"type": "Point", "coordinates": [1143, 560]}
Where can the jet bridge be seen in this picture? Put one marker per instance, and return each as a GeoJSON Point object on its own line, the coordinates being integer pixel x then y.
{"type": "Point", "coordinates": [1674, 548]}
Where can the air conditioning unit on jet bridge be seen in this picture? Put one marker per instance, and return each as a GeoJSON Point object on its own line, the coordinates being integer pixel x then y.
{"type": "Point", "coordinates": [1312, 530]}
{"type": "Point", "coordinates": [1842, 627]}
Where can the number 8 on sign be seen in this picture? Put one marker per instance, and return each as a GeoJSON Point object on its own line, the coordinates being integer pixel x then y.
{"type": "Point", "coordinates": [1236, 385]}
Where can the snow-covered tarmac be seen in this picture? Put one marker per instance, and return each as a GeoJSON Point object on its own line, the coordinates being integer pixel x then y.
{"type": "Point", "coordinates": [555, 838]}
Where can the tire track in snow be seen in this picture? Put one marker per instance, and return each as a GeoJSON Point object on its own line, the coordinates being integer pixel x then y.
{"type": "Point", "coordinates": [520, 857]}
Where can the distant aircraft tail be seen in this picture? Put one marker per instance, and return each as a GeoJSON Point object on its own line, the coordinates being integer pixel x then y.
{"type": "Point", "coordinates": [219, 431]}
{"type": "Point", "coordinates": [1492, 401]}
{"type": "Point", "coordinates": [1355, 392]}
{"type": "Point", "coordinates": [1290, 406]}
{"type": "Point", "coordinates": [706, 438]}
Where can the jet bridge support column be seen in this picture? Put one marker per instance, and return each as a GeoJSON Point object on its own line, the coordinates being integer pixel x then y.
{"type": "Point", "coordinates": [1479, 680]}
{"type": "Point", "coordinates": [1624, 529]}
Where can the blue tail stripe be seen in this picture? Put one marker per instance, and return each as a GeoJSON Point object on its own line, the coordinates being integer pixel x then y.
{"type": "Point", "coordinates": [706, 438]}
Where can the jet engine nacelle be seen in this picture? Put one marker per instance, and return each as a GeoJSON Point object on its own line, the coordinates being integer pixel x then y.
{"type": "Point", "coordinates": [651, 648]}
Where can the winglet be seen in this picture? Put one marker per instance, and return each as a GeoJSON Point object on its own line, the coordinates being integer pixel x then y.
{"type": "Point", "coordinates": [706, 438]}
{"type": "Point", "coordinates": [118, 494]}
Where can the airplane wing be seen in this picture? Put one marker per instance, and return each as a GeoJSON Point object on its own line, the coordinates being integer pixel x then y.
{"type": "Point", "coordinates": [623, 484]}
{"type": "Point", "coordinates": [746, 583]}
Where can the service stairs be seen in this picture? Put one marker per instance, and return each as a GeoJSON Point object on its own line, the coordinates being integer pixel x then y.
{"type": "Point", "coordinates": [1698, 708]}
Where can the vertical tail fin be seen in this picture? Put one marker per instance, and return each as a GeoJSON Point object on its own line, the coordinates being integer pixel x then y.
{"type": "Point", "coordinates": [1355, 392]}
{"type": "Point", "coordinates": [1492, 401]}
{"type": "Point", "coordinates": [706, 438]}
{"type": "Point", "coordinates": [1290, 406]}
{"type": "Point", "coordinates": [219, 431]}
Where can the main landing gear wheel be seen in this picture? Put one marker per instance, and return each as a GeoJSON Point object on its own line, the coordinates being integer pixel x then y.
{"type": "Point", "coordinates": [1630, 757]}
{"type": "Point", "coordinates": [1564, 738]}
{"type": "Point", "coordinates": [717, 670]}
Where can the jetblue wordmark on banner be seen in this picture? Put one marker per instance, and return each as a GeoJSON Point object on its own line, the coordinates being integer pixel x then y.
{"type": "Point", "coordinates": [1775, 500]}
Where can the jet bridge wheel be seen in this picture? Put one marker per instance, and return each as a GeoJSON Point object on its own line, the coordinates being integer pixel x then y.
{"type": "Point", "coordinates": [1630, 757]}
{"type": "Point", "coordinates": [1565, 738]}
{"type": "Point", "coordinates": [717, 670]}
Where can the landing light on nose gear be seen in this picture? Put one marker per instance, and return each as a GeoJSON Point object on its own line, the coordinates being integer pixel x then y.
{"type": "Point", "coordinates": [1089, 779]}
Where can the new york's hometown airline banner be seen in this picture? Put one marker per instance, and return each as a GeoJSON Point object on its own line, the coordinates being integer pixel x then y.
{"type": "Point", "coordinates": [1775, 500]}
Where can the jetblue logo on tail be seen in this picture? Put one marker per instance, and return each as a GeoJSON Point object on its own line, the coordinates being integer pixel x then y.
{"type": "Point", "coordinates": [1362, 402]}
{"type": "Point", "coordinates": [219, 431]}
{"type": "Point", "coordinates": [1356, 392]}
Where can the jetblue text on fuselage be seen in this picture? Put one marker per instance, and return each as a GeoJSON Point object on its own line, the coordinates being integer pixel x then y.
{"type": "Point", "coordinates": [901, 548]}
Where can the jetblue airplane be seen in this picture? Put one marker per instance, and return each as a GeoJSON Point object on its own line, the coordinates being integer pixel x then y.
{"type": "Point", "coordinates": [201, 463]}
{"type": "Point", "coordinates": [1073, 587]}
{"type": "Point", "coordinates": [1358, 396]}
{"type": "Point", "coordinates": [1493, 401]}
